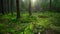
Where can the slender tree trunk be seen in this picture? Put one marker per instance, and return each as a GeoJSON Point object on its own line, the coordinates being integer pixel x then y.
{"type": "Point", "coordinates": [11, 4]}
{"type": "Point", "coordinates": [30, 8]}
{"type": "Point", "coordinates": [50, 5]}
{"type": "Point", "coordinates": [8, 5]}
{"type": "Point", "coordinates": [2, 7]}
{"type": "Point", "coordinates": [18, 11]}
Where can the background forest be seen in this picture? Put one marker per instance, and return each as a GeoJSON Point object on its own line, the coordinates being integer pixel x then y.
{"type": "Point", "coordinates": [29, 16]}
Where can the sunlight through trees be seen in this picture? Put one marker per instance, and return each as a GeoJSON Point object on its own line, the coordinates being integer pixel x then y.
{"type": "Point", "coordinates": [29, 16]}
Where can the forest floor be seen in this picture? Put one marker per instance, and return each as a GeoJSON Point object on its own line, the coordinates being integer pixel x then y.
{"type": "Point", "coordinates": [39, 21]}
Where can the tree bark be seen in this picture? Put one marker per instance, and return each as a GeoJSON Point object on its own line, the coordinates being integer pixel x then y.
{"type": "Point", "coordinates": [18, 11]}
{"type": "Point", "coordinates": [8, 5]}
{"type": "Point", "coordinates": [50, 5]}
{"type": "Point", "coordinates": [2, 7]}
{"type": "Point", "coordinates": [11, 4]}
{"type": "Point", "coordinates": [30, 8]}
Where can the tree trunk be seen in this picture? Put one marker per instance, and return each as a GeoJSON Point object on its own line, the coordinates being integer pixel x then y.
{"type": "Point", "coordinates": [50, 5]}
{"type": "Point", "coordinates": [2, 7]}
{"type": "Point", "coordinates": [11, 4]}
{"type": "Point", "coordinates": [18, 11]}
{"type": "Point", "coordinates": [8, 6]}
{"type": "Point", "coordinates": [30, 8]}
